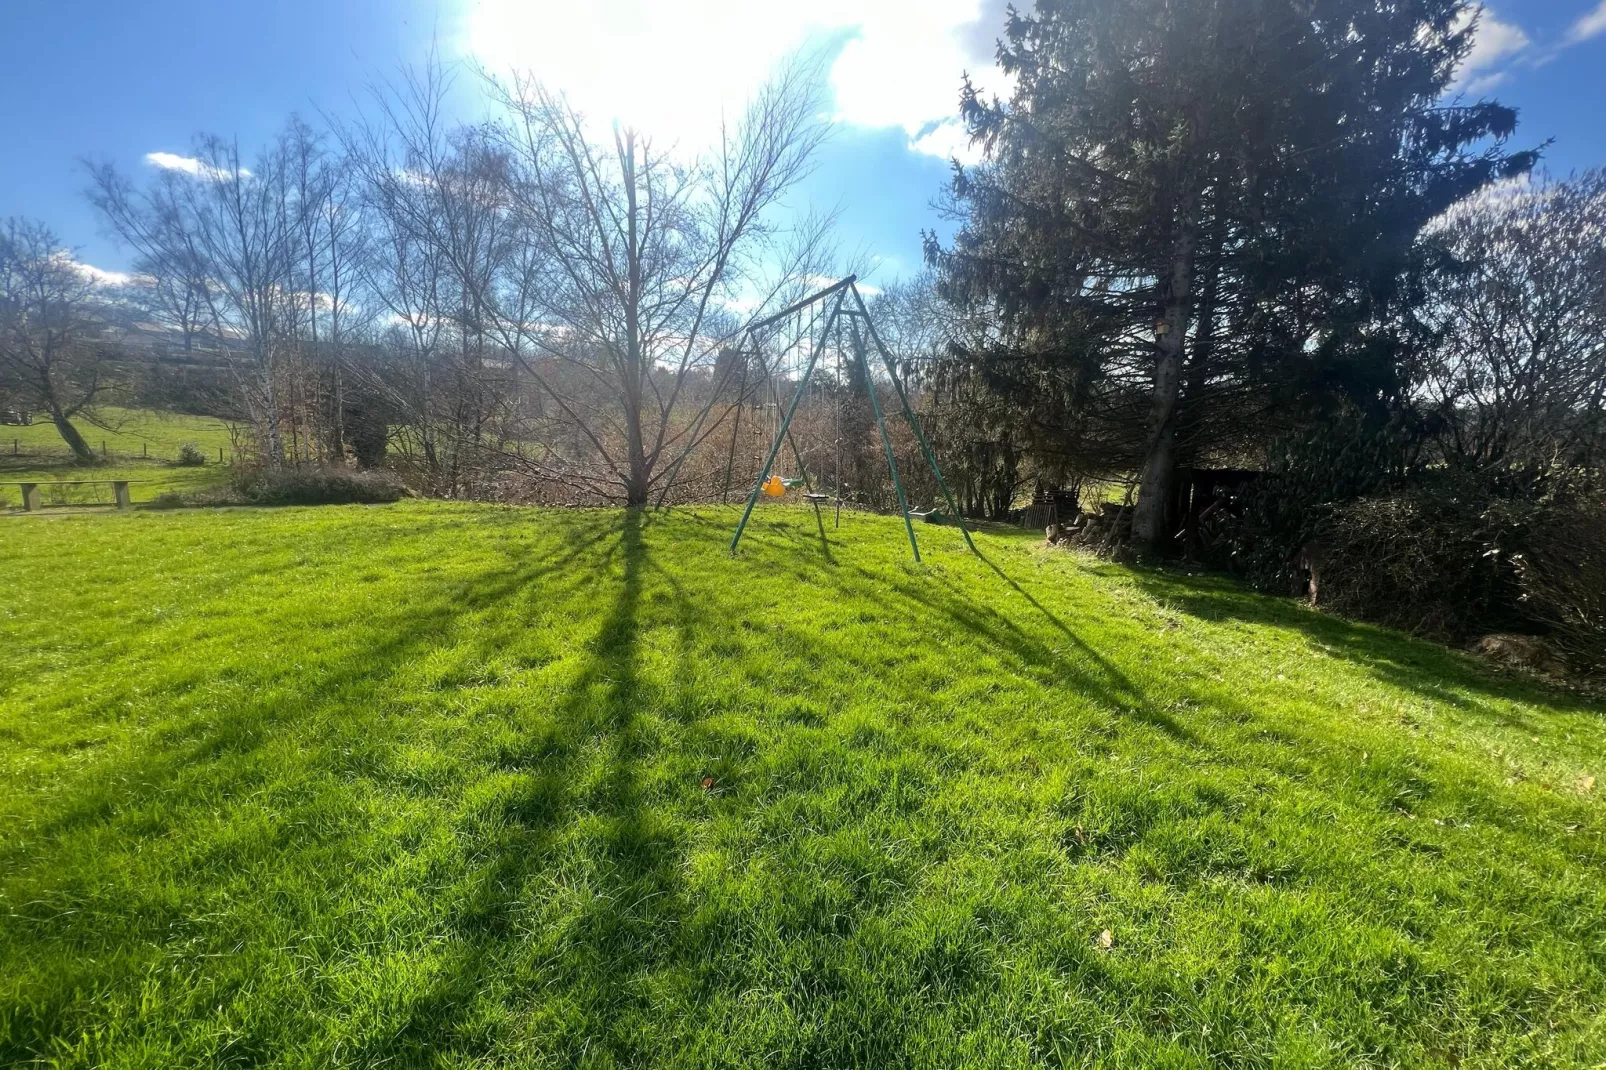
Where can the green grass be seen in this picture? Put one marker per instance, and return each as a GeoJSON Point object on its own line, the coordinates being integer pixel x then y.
{"type": "Point", "coordinates": [140, 448]}
{"type": "Point", "coordinates": [132, 432]}
{"type": "Point", "coordinates": [446, 785]}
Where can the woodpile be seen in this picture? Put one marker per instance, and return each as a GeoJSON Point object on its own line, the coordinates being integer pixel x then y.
{"type": "Point", "coordinates": [1098, 531]}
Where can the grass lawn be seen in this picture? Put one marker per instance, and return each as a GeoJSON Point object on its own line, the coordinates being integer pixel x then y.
{"type": "Point", "coordinates": [447, 785]}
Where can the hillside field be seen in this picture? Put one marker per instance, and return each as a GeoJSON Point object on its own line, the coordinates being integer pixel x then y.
{"type": "Point", "coordinates": [450, 785]}
{"type": "Point", "coordinates": [140, 446]}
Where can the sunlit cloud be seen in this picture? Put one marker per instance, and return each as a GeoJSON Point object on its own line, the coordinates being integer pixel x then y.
{"type": "Point", "coordinates": [169, 161]}
{"type": "Point", "coordinates": [949, 140]}
{"type": "Point", "coordinates": [92, 274]}
{"type": "Point", "coordinates": [1501, 46]}
{"type": "Point", "coordinates": [102, 277]}
{"type": "Point", "coordinates": [678, 68]}
{"type": "Point", "coordinates": [1589, 25]}
{"type": "Point", "coordinates": [1497, 45]}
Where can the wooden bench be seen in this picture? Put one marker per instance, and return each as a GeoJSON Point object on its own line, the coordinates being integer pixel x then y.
{"type": "Point", "coordinates": [30, 490]}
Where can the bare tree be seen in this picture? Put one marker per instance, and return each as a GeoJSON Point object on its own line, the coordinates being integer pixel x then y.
{"type": "Point", "coordinates": [234, 234]}
{"type": "Point", "coordinates": [1519, 376]}
{"type": "Point", "coordinates": [527, 298]}
{"type": "Point", "coordinates": [49, 317]}
{"type": "Point", "coordinates": [635, 257]}
{"type": "Point", "coordinates": [331, 241]}
{"type": "Point", "coordinates": [434, 203]}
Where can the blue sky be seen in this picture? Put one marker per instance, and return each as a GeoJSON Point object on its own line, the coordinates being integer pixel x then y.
{"type": "Point", "coordinates": [120, 79]}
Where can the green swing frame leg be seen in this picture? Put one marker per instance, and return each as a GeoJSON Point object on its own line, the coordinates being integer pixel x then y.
{"type": "Point", "coordinates": [914, 425]}
{"type": "Point", "coordinates": [786, 426]}
{"type": "Point", "coordinates": [886, 439]}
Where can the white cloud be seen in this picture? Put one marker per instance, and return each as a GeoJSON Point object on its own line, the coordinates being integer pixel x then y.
{"type": "Point", "coordinates": [1589, 25]}
{"type": "Point", "coordinates": [673, 68]}
{"type": "Point", "coordinates": [1497, 44]}
{"type": "Point", "coordinates": [1482, 84]}
{"type": "Point", "coordinates": [102, 277]}
{"type": "Point", "coordinates": [949, 140]}
{"type": "Point", "coordinates": [169, 161]}
{"type": "Point", "coordinates": [91, 273]}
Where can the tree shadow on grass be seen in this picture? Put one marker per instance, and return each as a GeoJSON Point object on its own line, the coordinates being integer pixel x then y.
{"type": "Point", "coordinates": [1087, 671]}
{"type": "Point", "coordinates": [584, 794]}
{"type": "Point", "coordinates": [164, 757]}
{"type": "Point", "coordinates": [1422, 668]}
{"type": "Point", "coordinates": [67, 909]}
{"type": "Point", "coordinates": [926, 593]}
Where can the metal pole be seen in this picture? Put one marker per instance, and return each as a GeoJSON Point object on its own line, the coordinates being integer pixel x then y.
{"type": "Point", "coordinates": [886, 440]}
{"type": "Point", "coordinates": [835, 287]}
{"type": "Point", "coordinates": [775, 448]}
{"type": "Point", "coordinates": [836, 424]}
{"type": "Point", "coordinates": [797, 456]}
{"type": "Point", "coordinates": [741, 403]}
{"type": "Point", "coordinates": [914, 425]}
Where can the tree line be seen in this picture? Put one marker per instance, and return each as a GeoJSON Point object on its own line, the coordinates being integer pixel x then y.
{"type": "Point", "coordinates": [518, 294]}
{"type": "Point", "coordinates": [1270, 236]}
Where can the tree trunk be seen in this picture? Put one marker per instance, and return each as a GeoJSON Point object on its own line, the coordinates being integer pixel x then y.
{"type": "Point", "coordinates": [81, 452]}
{"type": "Point", "coordinates": [638, 478]}
{"type": "Point", "coordinates": [1191, 414]}
{"type": "Point", "coordinates": [337, 420]}
{"type": "Point", "coordinates": [270, 415]}
{"type": "Point", "coordinates": [1148, 519]}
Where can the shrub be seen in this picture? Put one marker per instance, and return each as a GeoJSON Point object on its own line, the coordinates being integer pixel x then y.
{"type": "Point", "coordinates": [313, 486]}
{"type": "Point", "coordinates": [367, 434]}
{"type": "Point", "coordinates": [1430, 558]}
{"type": "Point", "coordinates": [1561, 572]}
{"type": "Point", "coordinates": [1456, 556]}
{"type": "Point", "coordinates": [1306, 481]}
{"type": "Point", "coordinates": [168, 499]}
{"type": "Point", "coordinates": [190, 456]}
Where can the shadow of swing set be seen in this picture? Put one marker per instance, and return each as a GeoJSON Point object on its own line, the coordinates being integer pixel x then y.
{"type": "Point", "coordinates": [812, 325]}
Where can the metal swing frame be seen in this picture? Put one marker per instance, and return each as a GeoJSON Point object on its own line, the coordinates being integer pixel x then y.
{"type": "Point", "coordinates": [858, 314]}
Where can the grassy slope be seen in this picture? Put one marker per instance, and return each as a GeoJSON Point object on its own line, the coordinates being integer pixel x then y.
{"type": "Point", "coordinates": [425, 783]}
{"type": "Point", "coordinates": [131, 431]}
{"type": "Point", "coordinates": [41, 455]}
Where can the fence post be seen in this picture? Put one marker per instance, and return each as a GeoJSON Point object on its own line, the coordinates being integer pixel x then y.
{"type": "Point", "coordinates": [144, 449]}
{"type": "Point", "coordinates": [220, 455]}
{"type": "Point", "coordinates": [105, 456]}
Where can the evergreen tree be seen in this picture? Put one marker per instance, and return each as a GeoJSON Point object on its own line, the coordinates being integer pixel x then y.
{"type": "Point", "coordinates": [1197, 213]}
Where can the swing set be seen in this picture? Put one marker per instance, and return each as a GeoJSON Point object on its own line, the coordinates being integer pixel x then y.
{"type": "Point", "coordinates": [799, 342]}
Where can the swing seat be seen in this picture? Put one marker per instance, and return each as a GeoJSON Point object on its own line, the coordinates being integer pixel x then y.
{"type": "Point", "coordinates": [774, 487]}
{"type": "Point", "coordinates": [817, 499]}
